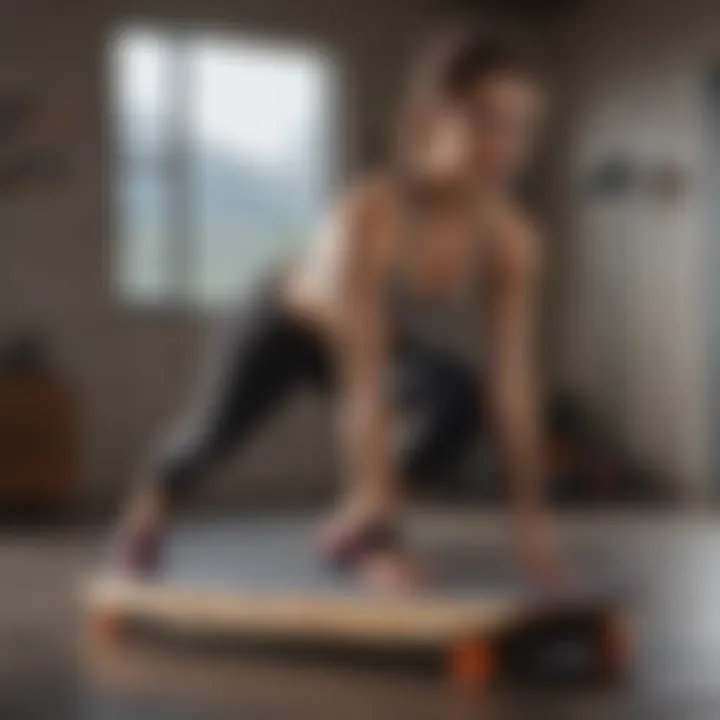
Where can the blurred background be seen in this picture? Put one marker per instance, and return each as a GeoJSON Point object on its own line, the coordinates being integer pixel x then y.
{"type": "Point", "coordinates": [155, 160]}
{"type": "Point", "coordinates": [157, 155]}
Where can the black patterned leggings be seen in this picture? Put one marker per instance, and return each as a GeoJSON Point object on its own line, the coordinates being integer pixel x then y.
{"type": "Point", "coordinates": [265, 354]}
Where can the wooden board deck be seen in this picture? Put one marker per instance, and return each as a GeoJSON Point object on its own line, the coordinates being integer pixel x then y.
{"type": "Point", "coordinates": [408, 621]}
{"type": "Point", "coordinates": [263, 580]}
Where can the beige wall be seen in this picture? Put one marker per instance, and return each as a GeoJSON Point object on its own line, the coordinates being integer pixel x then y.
{"type": "Point", "coordinates": [132, 370]}
{"type": "Point", "coordinates": [630, 303]}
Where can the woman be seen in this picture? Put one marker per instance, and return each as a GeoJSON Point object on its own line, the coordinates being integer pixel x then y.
{"type": "Point", "coordinates": [377, 311]}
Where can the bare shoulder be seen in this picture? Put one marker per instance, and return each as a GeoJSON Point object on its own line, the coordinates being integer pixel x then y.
{"type": "Point", "coordinates": [369, 212]}
{"type": "Point", "coordinates": [371, 197]}
{"type": "Point", "coordinates": [515, 252]}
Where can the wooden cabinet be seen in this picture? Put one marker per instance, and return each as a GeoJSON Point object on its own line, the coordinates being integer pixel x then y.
{"type": "Point", "coordinates": [38, 444]}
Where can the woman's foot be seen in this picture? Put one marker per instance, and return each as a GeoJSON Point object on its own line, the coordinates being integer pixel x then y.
{"type": "Point", "coordinates": [392, 573]}
{"type": "Point", "coordinates": [141, 536]}
{"type": "Point", "coordinates": [370, 547]}
{"type": "Point", "coordinates": [538, 551]}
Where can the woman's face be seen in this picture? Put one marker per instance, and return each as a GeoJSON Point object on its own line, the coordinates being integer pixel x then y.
{"type": "Point", "coordinates": [484, 138]}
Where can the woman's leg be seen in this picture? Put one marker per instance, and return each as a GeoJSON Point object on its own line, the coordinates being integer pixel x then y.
{"type": "Point", "coordinates": [260, 356]}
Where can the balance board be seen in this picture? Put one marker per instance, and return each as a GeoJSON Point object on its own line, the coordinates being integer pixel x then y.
{"type": "Point", "coordinates": [263, 581]}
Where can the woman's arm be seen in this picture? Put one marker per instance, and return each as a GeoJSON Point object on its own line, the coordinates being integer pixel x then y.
{"type": "Point", "coordinates": [362, 344]}
{"type": "Point", "coordinates": [513, 274]}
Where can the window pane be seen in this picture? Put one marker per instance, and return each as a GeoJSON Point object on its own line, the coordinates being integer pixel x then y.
{"type": "Point", "coordinates": [221, 160]}
{"type": "Point", "coordinates": [259, 158]}
{"type": "Point", "coordinates": [142, 261]}
{"type": "Point", "coordinates": [141, 67]}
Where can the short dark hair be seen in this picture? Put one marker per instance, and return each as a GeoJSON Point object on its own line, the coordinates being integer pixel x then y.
{"type": "Point", "coordinates": [454, 63]}
{"type": "Point", "coordinates": [461, 61]}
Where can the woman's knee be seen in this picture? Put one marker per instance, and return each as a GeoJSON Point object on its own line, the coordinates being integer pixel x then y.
{"type": "Point", "coordinates": [179, 460]}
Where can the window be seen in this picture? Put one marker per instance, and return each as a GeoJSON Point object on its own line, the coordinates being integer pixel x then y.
{"type": "Point", "coordinates": [221, 160]}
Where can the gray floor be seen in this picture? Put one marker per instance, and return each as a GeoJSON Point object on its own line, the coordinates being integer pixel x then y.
{"type": "Point", "coordinates": [668, 564]}
{"type": "Point", "coordinates": [280, 555]}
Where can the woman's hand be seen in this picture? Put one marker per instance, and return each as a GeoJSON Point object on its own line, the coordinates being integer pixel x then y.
{"type": "Point", "coordinates": [537, 549]}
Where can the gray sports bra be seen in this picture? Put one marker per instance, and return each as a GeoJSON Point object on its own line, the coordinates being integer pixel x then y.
{"type": "Point", "coordinates": [451, 323]}
{"type": "Point", "coordinates": [448, 324]}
